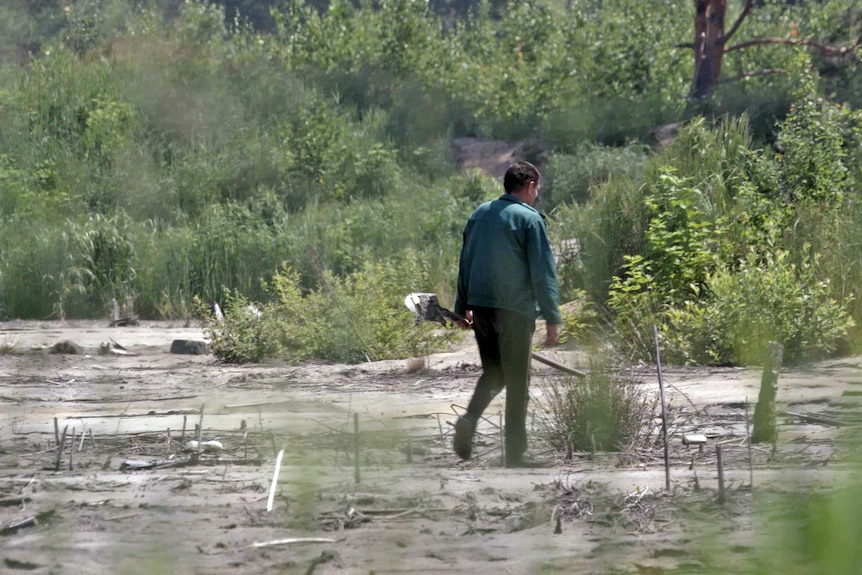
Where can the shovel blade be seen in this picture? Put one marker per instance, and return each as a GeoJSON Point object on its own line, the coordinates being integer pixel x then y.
{"type": "Point", "coordinates": [426, 306]}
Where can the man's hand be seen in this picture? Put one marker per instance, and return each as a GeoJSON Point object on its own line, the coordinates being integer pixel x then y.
{"type": "Point", "coordinates": [468, 320]}
{"type": "Point", "coordinates": [552, 334]}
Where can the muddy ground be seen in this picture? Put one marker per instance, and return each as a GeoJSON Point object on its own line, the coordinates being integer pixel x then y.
{"type": "Point", "coordinates": [414, 508]}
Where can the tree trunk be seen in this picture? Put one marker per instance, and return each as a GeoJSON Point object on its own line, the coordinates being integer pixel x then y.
{"type": "Point", "coordinates": [709, 18]}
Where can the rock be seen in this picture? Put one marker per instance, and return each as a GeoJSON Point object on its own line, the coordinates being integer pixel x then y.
{"type": "Point", "coordinates": [493, 157]}
{"type": "Point", "coordinates": [189, 347]}
{"type": "Point", "coordinates": [66, 347]}
{"type": "Point", "coordinates": [212, 446]}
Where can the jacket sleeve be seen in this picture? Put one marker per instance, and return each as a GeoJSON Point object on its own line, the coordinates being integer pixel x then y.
{"type": "Point", "coordinates": [543, 272]}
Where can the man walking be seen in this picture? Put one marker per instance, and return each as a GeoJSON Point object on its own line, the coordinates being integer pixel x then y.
{"type": "Point", "coordinates": [506, 278]}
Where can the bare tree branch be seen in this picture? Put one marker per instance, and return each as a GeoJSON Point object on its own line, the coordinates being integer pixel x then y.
{"type": "Point", "coordinates": [825, 48]}
{"type": "Point", "coordinates": [745, 10]}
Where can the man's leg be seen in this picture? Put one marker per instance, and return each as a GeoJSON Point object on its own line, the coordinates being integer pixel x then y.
{"type": "Point", "coordinates": [491, 382]}
{"type": "Point", "coordinates": [516, 337]}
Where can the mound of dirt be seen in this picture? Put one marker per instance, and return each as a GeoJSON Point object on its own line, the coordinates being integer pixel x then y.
{"type": "Point", "coordinates": [492, 157]}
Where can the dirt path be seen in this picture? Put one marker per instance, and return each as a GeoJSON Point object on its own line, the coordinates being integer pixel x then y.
{"type": "Point", "coordinates": [415, 509]}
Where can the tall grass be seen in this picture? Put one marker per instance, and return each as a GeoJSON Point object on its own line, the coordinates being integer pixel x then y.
{"type": "Point", "coordinates": [608, 411]}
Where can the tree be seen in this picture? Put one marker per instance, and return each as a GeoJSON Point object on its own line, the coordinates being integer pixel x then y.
{"type": "Point", "coordinates": [711, 43]}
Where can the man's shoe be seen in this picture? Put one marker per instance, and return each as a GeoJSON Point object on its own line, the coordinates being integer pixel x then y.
{"type": "Point", "coordinates": [463, 442]}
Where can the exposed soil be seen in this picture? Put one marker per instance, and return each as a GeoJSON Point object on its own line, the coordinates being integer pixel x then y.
{"type": "Point", "coordinates": [414, 508]}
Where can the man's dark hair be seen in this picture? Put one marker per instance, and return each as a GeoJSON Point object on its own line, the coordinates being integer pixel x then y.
{"type": "Point", "coordinates": [519, 175]}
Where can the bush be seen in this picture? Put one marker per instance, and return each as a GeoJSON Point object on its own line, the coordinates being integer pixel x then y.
{"type": "Point", "coordinates": [581, 319]}
{"type": "Point", "coordinates": [767, 298]}
{"type": "Point", "coordinates": [248, 334]}
{"type": "Point", "coordinates": [350, 319]}
{"type": "Point", "coordinates": [673, 265]}
{"type": "Point", "coordinates": [607, 411]}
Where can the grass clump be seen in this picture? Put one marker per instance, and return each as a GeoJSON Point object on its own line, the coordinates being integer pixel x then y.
{"type": "Point", "coordinates": [607, 411]}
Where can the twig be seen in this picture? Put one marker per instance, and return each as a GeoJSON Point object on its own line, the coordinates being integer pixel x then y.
{"type": "Point", "coordinates": [253, 404]}
{"type": "Point", "coordinates": [72, 449]}
{"type": "Point", "coordinates": [815, 419]}
{"type": "Point", "coordinates": [356, 445]}
{"type": "Point", "coordinates": [124, 415]}
{"type": "Point", "coordinates": [60, 449]}
{"type": "Point", "coordinates": [200, 429]}
{"type": "Point", "coordinates": [14, 501]}
{"type": "Point", "coordinates": [663, 410]}
{"type": "Point", "coordinates": [291, 541]}
{"type": "Point", "coordinates": [121, 517]}
{"type": "Point", "coordinates": [748, 440]}
{"type": "Point", "coordinates": [271, 498]}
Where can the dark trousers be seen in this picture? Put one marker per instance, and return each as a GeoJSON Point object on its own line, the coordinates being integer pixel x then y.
{"type": "Point", "coordinates": [505, 341]}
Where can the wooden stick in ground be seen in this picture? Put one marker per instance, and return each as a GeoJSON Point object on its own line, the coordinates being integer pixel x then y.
{"type": "Point", "coordinates": [200, 429]}
{"type": "Point", "coordinates": [663, 410]}
{"type": "Point", "coordinates": [356, 446]}
{"type": "Point", "coordinates": [60, 449]}
{"type": "Point", "coordinates": [720, 474]}
{"type": "Point", "coordinates": [183, 433]}
{"type": "Point", "coordinates": [748, 440]}
{"type": "Point", "coordinates": [502, 443]}
{"type": "Point", "coordinates": [56, 432]}
{"type": "Point", "coordinates": [272, 487]}
{"type": "Point", "coordinates": [72, 449]}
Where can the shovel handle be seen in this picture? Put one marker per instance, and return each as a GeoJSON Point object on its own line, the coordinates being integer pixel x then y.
{"type": "Point", "coordinates": [557, 365]}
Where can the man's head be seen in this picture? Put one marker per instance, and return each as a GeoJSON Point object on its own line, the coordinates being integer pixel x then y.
{"type": "Point", "coordinates": [523, 180]}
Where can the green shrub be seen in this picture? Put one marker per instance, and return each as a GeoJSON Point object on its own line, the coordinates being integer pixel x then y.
{"type": "Point", "coordinates": [582, 320]}
{"type": "Point", "coordinates": [673, 266]}
{"type": "Point", "coordinates": [351, 319]}
{"type": "Point", "coordinates": [248, 334]}
{"type": "Point", "coordinates": [767, 299]}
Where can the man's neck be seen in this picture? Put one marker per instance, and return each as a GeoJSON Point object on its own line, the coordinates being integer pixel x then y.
{"type": "Point", "coordinates": [522, 196]}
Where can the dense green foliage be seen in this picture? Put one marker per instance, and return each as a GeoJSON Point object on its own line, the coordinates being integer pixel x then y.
{"type": "Point", "coordinates": [163, 152]}
{"type": "Point", "coordinates": [352, 319]}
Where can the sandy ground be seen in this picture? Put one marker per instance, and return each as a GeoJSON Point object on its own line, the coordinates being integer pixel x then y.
{"type": "Point", "coordinates": [411, 507]}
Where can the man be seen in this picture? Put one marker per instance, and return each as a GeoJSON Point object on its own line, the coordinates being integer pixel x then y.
{"type": "Point", "coordinates": [506, 278]}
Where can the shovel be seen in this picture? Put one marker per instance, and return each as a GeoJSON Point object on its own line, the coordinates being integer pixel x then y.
{"type": "Point", "coordinates": [427, 307]}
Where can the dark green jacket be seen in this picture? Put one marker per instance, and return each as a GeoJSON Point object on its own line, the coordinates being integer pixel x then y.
{"type": "Point", "coordinates": [507, 262]}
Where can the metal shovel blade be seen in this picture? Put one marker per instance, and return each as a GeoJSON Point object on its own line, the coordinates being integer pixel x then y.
{"type": "Point", "coordinates": [427, 307]}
